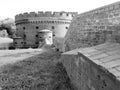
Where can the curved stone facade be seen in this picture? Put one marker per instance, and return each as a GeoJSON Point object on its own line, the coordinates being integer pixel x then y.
{"type": "Point", "coordinates": [29, 24]}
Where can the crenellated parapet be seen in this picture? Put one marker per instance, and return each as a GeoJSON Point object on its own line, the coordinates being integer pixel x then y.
{"type": "Point", "coordinates": [40, 14]}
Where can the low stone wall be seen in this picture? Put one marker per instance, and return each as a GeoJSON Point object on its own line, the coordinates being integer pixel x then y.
{"type": "Point", "coordinates": [86, 75]}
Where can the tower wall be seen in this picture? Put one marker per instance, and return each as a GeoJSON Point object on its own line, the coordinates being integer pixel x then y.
{"type": "Point", "coordinates": [28, 24]}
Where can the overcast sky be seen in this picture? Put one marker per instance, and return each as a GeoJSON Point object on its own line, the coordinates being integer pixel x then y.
{"type": "Point", "coordinates": [9, 8]}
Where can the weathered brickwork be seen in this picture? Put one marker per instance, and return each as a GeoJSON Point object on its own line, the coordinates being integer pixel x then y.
{"type": "Point", "coordinates": [94, 27]}
{"type": "Point", "coordinates": [87, 75]}
{"type": "Point", "coordinates": [28, 24]}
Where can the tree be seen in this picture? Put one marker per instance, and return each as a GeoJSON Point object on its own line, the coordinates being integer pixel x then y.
{"type": "Point", "coordinates": [8, 28]}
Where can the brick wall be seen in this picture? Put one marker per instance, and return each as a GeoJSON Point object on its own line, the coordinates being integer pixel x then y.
{"type": "Point", "coordinates": [86, 75]}
{"type": "Point", "coordinates": [93, 27]}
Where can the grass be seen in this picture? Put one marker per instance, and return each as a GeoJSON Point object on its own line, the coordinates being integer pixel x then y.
{"type": "Point", "coordinates": [40, 72]}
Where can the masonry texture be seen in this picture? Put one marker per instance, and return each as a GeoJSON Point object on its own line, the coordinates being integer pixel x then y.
{"type": "Point", "coordinates": [29, 24]}
{"type": "Point", "coordinates": [94, 27]}
{"type": "Point", "coordinates": [94, 68]}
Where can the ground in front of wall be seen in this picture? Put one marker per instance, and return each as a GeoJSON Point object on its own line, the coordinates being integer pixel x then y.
{"type": "Point", "coordinates": [39, 72]}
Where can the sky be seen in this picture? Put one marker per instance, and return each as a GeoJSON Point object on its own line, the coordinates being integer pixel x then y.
{"type": "Point", "coordinates": [9, 8]}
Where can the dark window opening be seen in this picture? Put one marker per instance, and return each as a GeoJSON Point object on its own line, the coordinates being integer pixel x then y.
{"type": "Point", "coordinates": [60, 14]}
{"type": "Point", "coordinates": [57, 49]}
{"type": "Point", "coordinates": [36, 42]}
{"type": "Point", "coordinates": [24, 36]}
{"type": "Point", "coordinates": [67, 14]}
{"type": "Point", "coordinates": [40, 37]}
{"type": "Point", "coordinates": [52, 21]}
{"type": "Point", "coordinates": [66, 27]}
{"type": "Point", "coordinates": [21, 42]}
{"type": "Point", "coordinates": [53, 34]}
{"type": "Point", "coordinates": [15, 42]}
{"type": "Point", "coordinates": [99, 77]}
{"type": "Point", "coordinates": [36, 35]}
{"type": "Point", "coordinates": [37, 27]}
{"type": "Point", "coordinates": [24, 42]}
{"type": "Point", "coordinates": [23, 28]}
{"type": "Point", "coordinates": [53, 27]}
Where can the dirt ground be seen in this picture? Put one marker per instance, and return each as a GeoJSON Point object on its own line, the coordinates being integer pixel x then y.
{"type": "Point", "coordinates": [38, 71]}
{"type": "Point", "coordinates": [12, 56]}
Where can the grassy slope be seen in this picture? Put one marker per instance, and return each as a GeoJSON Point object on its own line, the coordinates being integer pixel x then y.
{"type": "Point", "coordinates": [40, 72]}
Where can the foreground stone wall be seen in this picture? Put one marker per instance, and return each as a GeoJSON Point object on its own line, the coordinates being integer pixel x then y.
{"type": "Point", "coordinates": [86, 75]}
{"type": "Point", "coordinates": [94, 27]}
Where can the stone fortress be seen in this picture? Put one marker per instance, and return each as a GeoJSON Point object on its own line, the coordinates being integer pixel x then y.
{"type": "Point", "coordinates": [29, 24]}
{"type": "Point", "coordinates": [91, 43]}
{"type": "Point", "coordinates": [92, 49]}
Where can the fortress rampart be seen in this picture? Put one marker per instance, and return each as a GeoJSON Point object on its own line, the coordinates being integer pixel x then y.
{"type": "Point", "coordinates": [93, 45]}
{"type": "Point", "coordinates": [108, 8]}
{"type": "Point", "coordinates": [94, 27]}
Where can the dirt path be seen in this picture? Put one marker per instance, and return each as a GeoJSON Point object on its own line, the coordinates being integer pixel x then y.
{"type": "Point", "coordinates": [12, 56]}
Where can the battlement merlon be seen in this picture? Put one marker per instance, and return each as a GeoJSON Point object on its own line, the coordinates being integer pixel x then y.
{"type": "Point", "coordinates": [45, 14]}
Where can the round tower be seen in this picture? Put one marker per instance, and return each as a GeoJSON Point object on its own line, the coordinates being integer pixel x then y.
{"type": "Point", "coordinates": [29, 24]}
